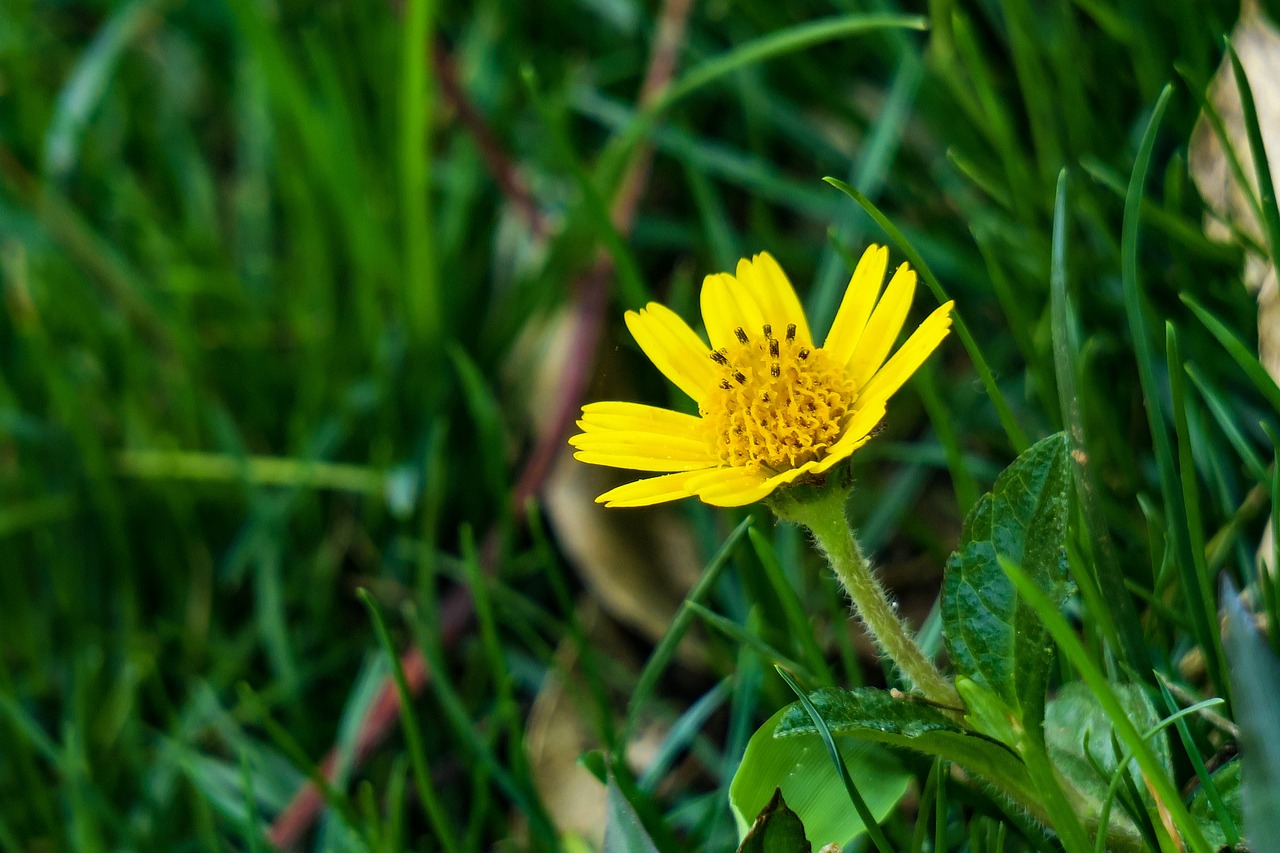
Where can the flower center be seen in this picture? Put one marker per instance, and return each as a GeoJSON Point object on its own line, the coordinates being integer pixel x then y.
{"type": "Point", "coordinates": [779, 403]}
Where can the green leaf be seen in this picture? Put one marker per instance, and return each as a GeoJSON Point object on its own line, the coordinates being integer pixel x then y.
{"type": "Point", "coordinates": [1227, 783]}
{"type": "Point", "coordinates": [798, 764]}
{"type": "Point", "coordinates": [993, 637]}
{"type": "Point", "coordinates": [1081, 738]}
{"type": "Point", "coordinates": [876, 715]}
{"type": "Point", "coordinates": [777, 830]}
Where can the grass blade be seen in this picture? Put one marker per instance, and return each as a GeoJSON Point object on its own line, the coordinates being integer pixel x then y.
{"type": "Point", "coordinates": [1017, 437]}
{"type": "Point", "coordinates": [1135, 307]}
{"type": "Point", "coordinates": [868, 819]}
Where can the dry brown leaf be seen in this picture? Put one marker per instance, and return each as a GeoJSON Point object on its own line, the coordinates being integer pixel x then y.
{"type": "Point", "coordinates": [558, 732]}
{"type": "Point", "coordinates": [638, 563]}
{"type": "Point", "coordinates": [1257, 43]}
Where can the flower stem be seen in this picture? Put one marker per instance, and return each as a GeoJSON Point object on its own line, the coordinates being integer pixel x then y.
{"type": "Point", "coordinates": [824, 517]}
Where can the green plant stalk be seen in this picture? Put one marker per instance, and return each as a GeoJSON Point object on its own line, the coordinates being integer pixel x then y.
{"type": "Point", "coordinates": [824, 517]}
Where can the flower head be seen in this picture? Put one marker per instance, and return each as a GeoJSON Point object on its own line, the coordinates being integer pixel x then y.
{"type": "Point", "coordinates": [773, 407]}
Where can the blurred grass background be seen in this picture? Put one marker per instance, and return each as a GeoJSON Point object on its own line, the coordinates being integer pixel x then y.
{"type": "Point", "coordinates": [284, 288]}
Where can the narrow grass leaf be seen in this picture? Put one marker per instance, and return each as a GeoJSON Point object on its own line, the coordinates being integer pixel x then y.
{"type": "Point", "coordinates": [1257, 146]}
{"type": "Point", "coordinates": [837, 760]}
{"type": "Point", "coordinates": [1136, 308]}
{"type": "Point", "coordinates": [754, 52]}
{"type": "Point", "coordinates": [1240, 352]}
{"type": "Point", "coordinates": [799, 625]}
{"type": "Point", "coordinates": [1153, 773]}
{"type": "Point", "coordinates": [666, 648]}
{"type": "Point", "coordinates": [1017, 437]}
{"type": "Point", "coordinates": [417, 100]}
{"type": "Point", "coordinates": [1119, 620]}
{"type": "Point", "coordinates": [427, 793]}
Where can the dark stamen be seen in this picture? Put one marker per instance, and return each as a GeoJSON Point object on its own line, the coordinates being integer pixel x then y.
{"type": "Point", "coordinates": [791, 332]}
{"type": "Point", "coordinates": [768, 332]}
{"type": "Point", "coordinates": [724, 383]}
{"type": "Point", "coordinates": [804, 353]}
{"type": "Point", "coordinates": [765, 397]}
{"type": "Point", "coordinates": [742, 380]}
{"type": "Point", "coordinates": [741, 335]}
{"type": "Point", "coordinates": [774, 370]}
{"type": "Point", "coordinates": [719, 357]}
{"type": "Point", "coordinates": [773, 348]}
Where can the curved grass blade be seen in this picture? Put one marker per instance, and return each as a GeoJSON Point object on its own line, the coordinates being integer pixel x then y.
{"type": "Point", "coordinates": [868, 819]}
{"type": "Point", "coordinates": [413, 736]}
{"type": "Point", "coordinates": [1017, 437]}
{"type": "Point", "coordinates": [753, 52]}
{"type": "Point", "coordinates": [1237, 349]}
{"type": "Point", "coordinates": [1266, 189]}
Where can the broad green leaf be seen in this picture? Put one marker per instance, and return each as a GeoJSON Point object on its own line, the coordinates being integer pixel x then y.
{"type": "Point", "coordinates": [777, 830]}
{"type": "Point", "coordinates": [1079, 736]}
{"type": "Point", "coordinates": [1227, 783]}
{"type": "Point", "coordinates": [993, 637]}
{"type": "Point", "coordinates": [876, 715]}
{"type": "Point", "coordinates": [798, 765]}
{"type": "Point", "coordinates": [1255, 683]}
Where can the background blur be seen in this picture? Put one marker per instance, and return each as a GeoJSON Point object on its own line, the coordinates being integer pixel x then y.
{"type": "Point", "coordinates": [301, 297]}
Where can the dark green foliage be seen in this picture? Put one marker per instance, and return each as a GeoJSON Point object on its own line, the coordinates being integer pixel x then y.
{"type": "Point", "coordinates": [269, 330]}
{"type": "Point", "coordinates": [992, 637]}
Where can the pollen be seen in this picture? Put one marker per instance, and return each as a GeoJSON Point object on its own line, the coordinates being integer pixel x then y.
{"type": "Point", "coordinates": [786, 404]}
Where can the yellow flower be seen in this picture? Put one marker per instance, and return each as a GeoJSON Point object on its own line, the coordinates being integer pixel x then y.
{"type": "Point", "coordinates": [773, 407]}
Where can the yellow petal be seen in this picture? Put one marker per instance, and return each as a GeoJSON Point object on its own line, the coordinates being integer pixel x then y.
{"type": "Point", "coordinates": [906, 361]}
{"type": "Point", "coordinates": [883, 327]}
{"type": "Point", "coordinates": [636, 460]}
{"type": "Point", "coordinates": [772, 291]}
{"type": "Point", "coordinates": [611, 414]}
{"type": "Point", "coordinates": [856, 434]}
{"type": "Point", "coordinates": [855, 308]}
{"type": "Point", "coordinates": [729, 486]}
{"type": "Point", "coordinates": [728, 306]}
{"type": "Point", "coordinates": [674, 348]}
{"type": "Point", "coordinates": [643, 443]}
{"type": "Point", "coordinates": [651, 491]}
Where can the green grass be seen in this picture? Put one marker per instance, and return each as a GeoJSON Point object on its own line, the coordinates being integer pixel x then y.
{"type": "Point", "coordinates": [266, 341]}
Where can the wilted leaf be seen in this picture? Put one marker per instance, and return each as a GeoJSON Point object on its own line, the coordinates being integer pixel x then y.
{"type": "Point", "coordinates": [638, 564]}
{"type": "Point", "coordinates": [1257, 44]}
{"type": "Point", "coordinates": [560, 730]}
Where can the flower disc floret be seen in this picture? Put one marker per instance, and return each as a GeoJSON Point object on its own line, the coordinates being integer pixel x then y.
{"type": "Point", "coordinates": [778, 404]}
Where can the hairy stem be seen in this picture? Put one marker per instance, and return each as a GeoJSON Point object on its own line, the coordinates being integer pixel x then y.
{"type": "Point", "coordinates": [825, 519]}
